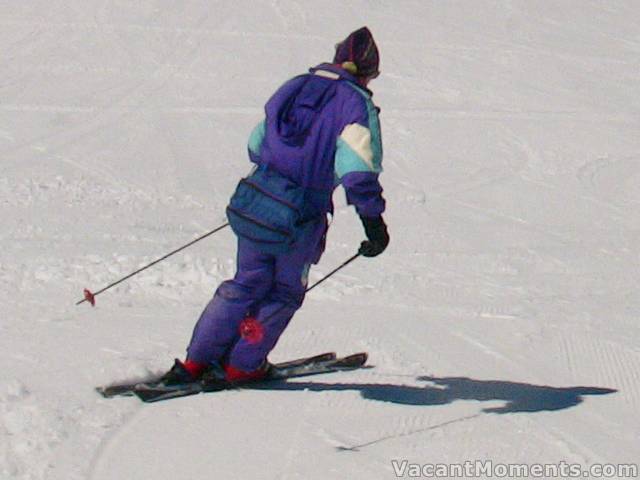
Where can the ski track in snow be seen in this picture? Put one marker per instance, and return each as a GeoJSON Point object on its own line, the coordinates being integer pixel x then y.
{"type": "Point", "coordinates": [511, 176]}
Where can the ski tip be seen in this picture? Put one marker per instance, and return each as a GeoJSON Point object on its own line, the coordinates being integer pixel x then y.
{"type": "Point", "coordinates": [362, 356]}
{"type": "Point", "coordinates": [355, 360]}
{"type": "Point", "coordinates": [324, 356]}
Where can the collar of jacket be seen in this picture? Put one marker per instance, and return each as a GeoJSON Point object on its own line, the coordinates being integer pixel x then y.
{"type": "Point", "coordinates": [335, 70]}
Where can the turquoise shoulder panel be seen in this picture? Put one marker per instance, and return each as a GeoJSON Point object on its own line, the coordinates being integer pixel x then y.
{"type": "Point", "coordinates": [374, 127]}
{"type": "Point", "coordinates": [256, 138]}
{"type": "Point", "coordinates": [348, 161]}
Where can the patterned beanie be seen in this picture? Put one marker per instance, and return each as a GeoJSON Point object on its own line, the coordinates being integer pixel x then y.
{"type": "Point", "coordinates": [358, 54]}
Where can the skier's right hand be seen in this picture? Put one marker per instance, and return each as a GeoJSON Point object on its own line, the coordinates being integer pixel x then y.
{"type": "Point", "coordinates": [377, 236]}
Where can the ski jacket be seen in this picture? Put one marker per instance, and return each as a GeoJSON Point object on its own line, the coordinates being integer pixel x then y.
{"type": "Point", "coordinates": [321, 129]}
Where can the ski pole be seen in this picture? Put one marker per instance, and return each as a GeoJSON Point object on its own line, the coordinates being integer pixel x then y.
{"type": "Point", "coordinates": [332, 272]}
{"type": "Point", "coordinates": [90, 296]}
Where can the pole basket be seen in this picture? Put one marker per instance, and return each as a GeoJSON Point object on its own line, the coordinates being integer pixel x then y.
{"type": "Point", "coordinates": [90, 297]}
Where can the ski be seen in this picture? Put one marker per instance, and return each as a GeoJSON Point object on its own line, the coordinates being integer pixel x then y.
{"type": "Point", "coordinates": [128, 389]}
{"type": "Point", "coordinates": [120, 390]}
{"type": "Point", "coordinates": [316, 365]}
{"type": "Point", "coordinates": [350, 362]}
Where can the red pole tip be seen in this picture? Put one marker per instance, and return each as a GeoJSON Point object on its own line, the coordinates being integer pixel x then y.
{"type": "Point", "coordinates": [89, 297]}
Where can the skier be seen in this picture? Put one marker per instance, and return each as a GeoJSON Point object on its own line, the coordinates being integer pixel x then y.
{"type": "Point", "coordinates": [321, 129]}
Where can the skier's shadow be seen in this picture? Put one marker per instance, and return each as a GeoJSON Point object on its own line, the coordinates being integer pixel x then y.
{"type": "Point", "coordinates": [518, 397]}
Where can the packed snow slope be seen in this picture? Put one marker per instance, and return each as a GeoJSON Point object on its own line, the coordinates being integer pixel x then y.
{"type": "Point", "coordinates": [502, 321]}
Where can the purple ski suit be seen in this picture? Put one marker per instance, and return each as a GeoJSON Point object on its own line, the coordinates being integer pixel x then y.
{"type": "Point", "coordinates": [321, 130]}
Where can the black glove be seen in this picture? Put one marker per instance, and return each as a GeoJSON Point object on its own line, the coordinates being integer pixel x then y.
{"type": "Point", "coordinates": [377, 236]}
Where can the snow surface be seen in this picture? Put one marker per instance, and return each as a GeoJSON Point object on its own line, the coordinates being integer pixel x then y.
{"type": "Point", "coordinates": [500, 319]}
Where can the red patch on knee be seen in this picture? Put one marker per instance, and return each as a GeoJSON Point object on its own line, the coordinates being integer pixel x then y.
{"type": "Point", "coordinates": [251, 330]}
